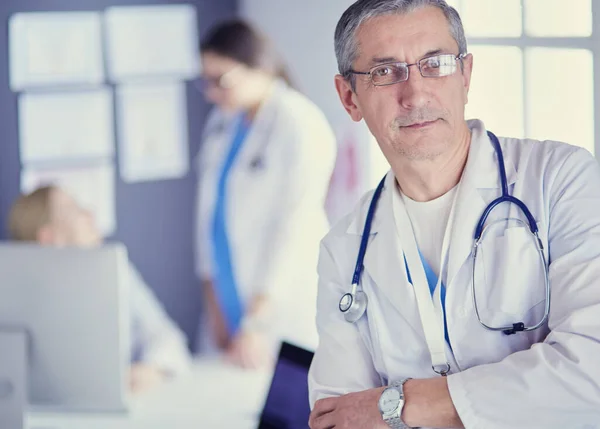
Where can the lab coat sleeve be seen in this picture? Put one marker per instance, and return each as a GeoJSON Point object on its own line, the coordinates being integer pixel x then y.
{"type": "Point", "coordinates": [158, 341]}
{"type": "Point", "coordinates": [555, 384]}
{"type": "Point", "coordinates": [342, 362]}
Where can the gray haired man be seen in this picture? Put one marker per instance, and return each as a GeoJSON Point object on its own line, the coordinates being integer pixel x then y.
{"type": "Point", "coordinates": [405, 345]}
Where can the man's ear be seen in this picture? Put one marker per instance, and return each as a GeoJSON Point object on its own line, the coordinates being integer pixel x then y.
{"type": "Point", "coordinates": [348, 97]}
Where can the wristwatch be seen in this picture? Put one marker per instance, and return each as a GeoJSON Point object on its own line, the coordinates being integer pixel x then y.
{"type": "Point", "coordinates": [391, 403]}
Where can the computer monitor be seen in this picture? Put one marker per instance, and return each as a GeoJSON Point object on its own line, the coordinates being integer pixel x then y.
{"type": "Point", "coordinates": [72, 304]}
{"type": "Point", "coordinates": [287, 405]}
{"type": "Point", "coordinates": [13, 379]}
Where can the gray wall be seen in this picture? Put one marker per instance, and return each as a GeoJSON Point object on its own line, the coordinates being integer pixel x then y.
{"type": "Point", "coordinates": [154, 219]}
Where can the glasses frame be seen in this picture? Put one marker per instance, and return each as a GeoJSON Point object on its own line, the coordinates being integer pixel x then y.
{"type": "Point", "coordinates": [407, 66]}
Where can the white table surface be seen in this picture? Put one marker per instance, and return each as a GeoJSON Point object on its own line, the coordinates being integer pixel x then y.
{"type": "Point", "coordinates": [214, 395]}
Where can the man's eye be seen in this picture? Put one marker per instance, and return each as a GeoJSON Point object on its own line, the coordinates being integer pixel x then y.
{"type": "Point", "coordinates": [433, 63]}
{"type": "Point", "coordinates": [383, 71]}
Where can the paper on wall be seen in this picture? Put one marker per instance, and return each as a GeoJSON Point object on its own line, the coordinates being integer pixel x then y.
{"type": "Point", "coordinates": [152, 131]}
{"type": "Point", "coordinates": [69, 125]}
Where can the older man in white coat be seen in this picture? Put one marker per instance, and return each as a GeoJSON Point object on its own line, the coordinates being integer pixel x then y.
{"type": "Point", "coordinates": [408, 346]}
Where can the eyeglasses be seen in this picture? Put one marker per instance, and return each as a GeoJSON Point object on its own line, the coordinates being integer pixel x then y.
{"type": "Point", "coordinates": [391, 73]}
{"type": "Point", "coordinates": [225, 81]}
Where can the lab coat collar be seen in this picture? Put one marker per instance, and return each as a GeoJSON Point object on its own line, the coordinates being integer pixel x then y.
{"type": "Point", "coordinates": [482, 167]}
{"type": "Point", "coordinates": [266, 113]}
{"type": "Point", "coordinates": [481, 172]}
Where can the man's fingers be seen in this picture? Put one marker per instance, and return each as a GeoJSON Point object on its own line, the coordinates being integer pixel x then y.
{"type": "Point", "coordinates": [324, 406]}
{"type": "Point", "coordinates": [324, 421]}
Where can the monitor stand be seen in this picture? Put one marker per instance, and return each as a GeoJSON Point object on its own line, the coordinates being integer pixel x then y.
{"type": "Point", "coordinates": [13, 379]}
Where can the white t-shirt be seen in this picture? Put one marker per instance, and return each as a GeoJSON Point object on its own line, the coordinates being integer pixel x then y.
{"type": "Point", "coordinates": [429, 220]}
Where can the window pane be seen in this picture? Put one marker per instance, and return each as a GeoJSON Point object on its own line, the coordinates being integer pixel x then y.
{"type": "Point", "coordinates": [560, 95]}
{"type": "Point", "coordinates": [496, 94]}
{"type": "Point", "coordinates": [558, 18]}
{"type": "Point", "coordinates": [492, 18]}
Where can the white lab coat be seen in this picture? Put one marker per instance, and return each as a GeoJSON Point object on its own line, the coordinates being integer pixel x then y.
{"type": "Point", "coordinates": [275, 212]}
{"type": "Point", "coordinates": [549, 378]}
{"type": "Point", "coordinates": [155, 339]}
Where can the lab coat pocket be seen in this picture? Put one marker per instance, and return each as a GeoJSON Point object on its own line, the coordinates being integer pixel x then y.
{"type": "Point", "coordinates": [509, 278]}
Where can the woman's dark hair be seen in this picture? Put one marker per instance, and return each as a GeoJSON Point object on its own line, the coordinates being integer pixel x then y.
{"type": "Point", "coordinates": [238, 40]}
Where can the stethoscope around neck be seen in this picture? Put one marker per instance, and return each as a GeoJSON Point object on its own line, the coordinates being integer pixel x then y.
{"type": "Point", "coordinates": [354, 303]}
{"type": "Point", "coordinates": [257, 162]}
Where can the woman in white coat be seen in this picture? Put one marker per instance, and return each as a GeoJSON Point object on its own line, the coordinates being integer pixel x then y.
{"type": "Point", "coordinates": [264, 168]}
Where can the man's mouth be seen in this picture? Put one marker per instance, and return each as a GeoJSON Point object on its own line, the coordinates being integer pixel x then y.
{"type": "Point", "coordinates": [419, 125]}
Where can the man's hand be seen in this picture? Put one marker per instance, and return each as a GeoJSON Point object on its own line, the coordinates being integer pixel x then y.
{"type": "Point", "coordinates": [353, 411]}
{"type": "Point", "coordinates": [143, 377]}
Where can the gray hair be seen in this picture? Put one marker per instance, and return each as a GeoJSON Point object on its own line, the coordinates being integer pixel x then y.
{"type": "Point", "coordinates": [346, 46]}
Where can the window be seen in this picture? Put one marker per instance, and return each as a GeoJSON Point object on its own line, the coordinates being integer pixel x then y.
{"type": "Point", "coordinates": [533, 68]}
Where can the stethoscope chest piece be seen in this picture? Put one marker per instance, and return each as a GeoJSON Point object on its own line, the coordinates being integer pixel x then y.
{"type": "Point", "coordinates": [353, 305]}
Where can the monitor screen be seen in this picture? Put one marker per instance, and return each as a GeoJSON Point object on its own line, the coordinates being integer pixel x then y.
{"type": "Point", "coordinates": [287, 405]}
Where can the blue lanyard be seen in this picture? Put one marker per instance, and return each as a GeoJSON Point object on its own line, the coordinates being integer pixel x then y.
{"type": "Point", "coordinates": [432, 280]}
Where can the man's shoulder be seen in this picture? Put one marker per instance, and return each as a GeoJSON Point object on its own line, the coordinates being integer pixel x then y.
{"type": "Point", "coordinates": [544, 149]}
{"type": "Point", "coordinates": [542, 158]}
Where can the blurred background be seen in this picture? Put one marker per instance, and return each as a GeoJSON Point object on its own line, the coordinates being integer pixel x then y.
{"type": "Point", "coordinates": [521, 47]}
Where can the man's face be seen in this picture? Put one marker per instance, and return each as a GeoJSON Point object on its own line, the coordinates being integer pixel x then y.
{"type": "Point", "coordinates": [420, 118]}
{"type": "Point", "coordinates": [72, 225]}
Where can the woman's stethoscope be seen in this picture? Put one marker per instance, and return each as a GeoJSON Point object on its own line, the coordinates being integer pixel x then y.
{"type": "Point", "coordinates": [354, 303]}
{"type": "Point", "coordinates": [257, 162]}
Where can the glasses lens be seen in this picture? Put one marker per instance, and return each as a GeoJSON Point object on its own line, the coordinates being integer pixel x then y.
{"type": "Point", "coordinates": [438, 65]}
{"type": "Point", "coordinates": [387, 74]}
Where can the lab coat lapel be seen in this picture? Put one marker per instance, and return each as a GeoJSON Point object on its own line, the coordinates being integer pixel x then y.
{"type": "Point", "coordinates": [469, 206]}
{"type": "Point", "coordinates": [481, 172]}
{"type": "Point", "coordinates": [261, 128]}
{"type": "Point", "coordinates": [383, 262]}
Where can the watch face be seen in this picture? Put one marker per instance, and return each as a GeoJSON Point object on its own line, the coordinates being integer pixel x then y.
{"type": "Point", "coordinates": [389, 401]}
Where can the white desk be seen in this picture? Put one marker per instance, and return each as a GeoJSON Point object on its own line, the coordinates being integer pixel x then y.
{"type": "Point", "coordinates": [213, 396]}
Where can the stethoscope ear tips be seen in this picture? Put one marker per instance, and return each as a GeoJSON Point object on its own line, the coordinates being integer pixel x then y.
{"type": "Point", "coordinates": [353, 306]}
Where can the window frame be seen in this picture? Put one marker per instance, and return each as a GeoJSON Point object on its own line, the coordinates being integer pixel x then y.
{"type": "Point", "coordinates": [590, 43]}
